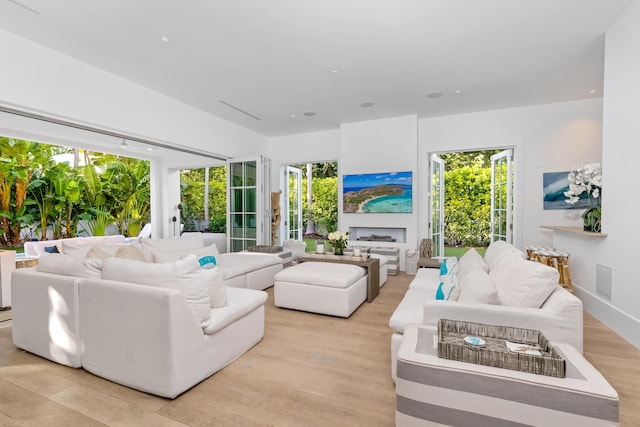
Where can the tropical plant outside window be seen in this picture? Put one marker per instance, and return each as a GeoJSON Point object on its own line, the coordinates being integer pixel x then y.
{"type": "Point", "coordinates": [43, 197]}
{"type": "Point", "coordinates": [203, 197]}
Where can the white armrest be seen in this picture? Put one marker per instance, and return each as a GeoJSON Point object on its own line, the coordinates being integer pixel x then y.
{"type": "Point", "coordinates": [141, 336]}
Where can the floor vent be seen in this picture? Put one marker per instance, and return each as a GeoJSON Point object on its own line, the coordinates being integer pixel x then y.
{"type": "Point", "coordinates": [604, 280]}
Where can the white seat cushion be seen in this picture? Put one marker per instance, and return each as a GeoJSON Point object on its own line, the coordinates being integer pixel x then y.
{"type": "Point", "coordinates": [247, 261]}
{"type": "Point", "coordinates": [327, 274]}
{"type": "Point", "coordinates": [426, 279]}
{"type": "Point", "coordinates": [240, 302]}
{"type": "Point", "coordinates": [410, 309]}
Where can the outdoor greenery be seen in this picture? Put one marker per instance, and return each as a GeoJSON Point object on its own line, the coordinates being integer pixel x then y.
{"type": "Point", "coordinates": [324, 200]}
{"type": "Point", "coordinates": [192, 189]}
{"type": "Point", "coordinates": [467, 198]}
{"type": "Point", "coordinates": [43, 198]}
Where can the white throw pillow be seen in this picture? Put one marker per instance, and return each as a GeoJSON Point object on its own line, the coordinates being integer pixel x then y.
{"type": "Point", "coordinates": [68, 265]}
{"type": "Point", "coordinates": [472, 257]}
{"type": "Point", "coordinates": [176, 244]}
{"type": "Point", "coordinates": [523, 283]}
{"type": "Point", "coordinates": [217, 290]}
{"type": "Point", "coordinates": [184, 275]}
{"type": "Point", "coordinates": [448, 288]}
{"type": "Point", "coordinates": [209, 251]}
{"type": "Point", "coordinates": [498, 250]}
{"type": "Point", "coordinates": [98, 253]}
{"type": "Point", "coordinates": [131, 251]}
{"type": "Point", "coordinates": [476, 286]}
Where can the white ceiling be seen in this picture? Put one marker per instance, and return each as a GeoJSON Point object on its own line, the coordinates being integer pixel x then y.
{"type": "Point", "coordinates": [276, 58]}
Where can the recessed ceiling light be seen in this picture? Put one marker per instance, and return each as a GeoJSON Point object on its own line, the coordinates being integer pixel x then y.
{"type": "Point", "coordinates": [149, 149]}
{"type": "Point", "coordinates": [458, 91]}
{"type": "Point", "coordinates": [164, 39]}
{"type": "Point", "coordinates": [592, 91]}
{"type": "Point", "coordinates": [367, 104]}
{"type": "Point", "coordinates": [335, 70]}
{"type": "Point", "coordinates": [434, 95]}
{"type": "Point", "coordinates": [309, 114]}
{"type": "Point", "coordinates": [293, 116]}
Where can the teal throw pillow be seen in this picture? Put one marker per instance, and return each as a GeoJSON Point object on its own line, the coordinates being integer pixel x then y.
{"type": "Point", "coordinates": [443, 268]}
{"type": "Point", "coordinates": [207, 262]}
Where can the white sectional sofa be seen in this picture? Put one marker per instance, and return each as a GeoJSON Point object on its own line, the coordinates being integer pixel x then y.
{"type": "Point", "coordinates": [501, 289]}
{"type": "Point", "coordinates": [157, 327]}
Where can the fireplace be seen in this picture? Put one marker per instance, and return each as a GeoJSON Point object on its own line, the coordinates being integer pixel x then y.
{"type": "Point", "coordinates": [378, 234]}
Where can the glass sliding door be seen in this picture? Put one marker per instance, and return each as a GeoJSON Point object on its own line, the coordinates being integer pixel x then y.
{"type": "Point", "coordinates": [293, 203]}
{"type": "Point", "coordinates": [502, 196]}
{"type": "Point", "coordinates": [436, 203]}
{"type": "Point", "coordinates": [245, 203]}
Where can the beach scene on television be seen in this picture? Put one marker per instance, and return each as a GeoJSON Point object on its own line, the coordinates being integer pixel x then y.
{"type": "Point", "coordinates": [389, 192]}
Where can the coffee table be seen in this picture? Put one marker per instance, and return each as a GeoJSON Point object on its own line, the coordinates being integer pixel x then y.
{"type": "Point", "coordinates": [447, 392]}
{"type": "Point", "coordinates": [371, 264]}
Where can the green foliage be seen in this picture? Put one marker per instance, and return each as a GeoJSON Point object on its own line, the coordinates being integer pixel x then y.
{"type": "Point", "coordinates": [34, 185]}
{"type": "Point", "coordinates": [324, 203]}
{"type": "Point", "coordinates": [192, 189]}
{"type": "Point", "coordinates": [463, 159]}
{"type": "Point", "coordinates": [467, 205]}
{"type": "Point", "coordinates": [218, 224]}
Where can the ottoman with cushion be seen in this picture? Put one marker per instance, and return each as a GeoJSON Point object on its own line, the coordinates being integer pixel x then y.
{"type": "Point", "coordinates": [321, 287]}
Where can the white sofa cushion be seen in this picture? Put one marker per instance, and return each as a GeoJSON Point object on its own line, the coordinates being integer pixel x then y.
{"type": "Point", "coordinates": [184, 275]}
{"type": "Point", "coordinates": [247, 261]}
{"type": "Point", "coordinates": [409, 311]}
{"type": "Point", "coordinates": [523, 283]}
{"type": "Point", "coordinates": [476, 286]}
{"type": "Point", "coordinates": [68, 265]}
{"type": "Point", "coordinates": [176, 244]}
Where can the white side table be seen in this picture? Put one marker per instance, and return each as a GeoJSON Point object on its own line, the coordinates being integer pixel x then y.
{"type": "Point", "coordinates": [434, 391]}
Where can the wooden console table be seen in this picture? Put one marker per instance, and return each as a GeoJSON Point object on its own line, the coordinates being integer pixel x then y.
{"type": "Point", "coordinates": [372, 265]}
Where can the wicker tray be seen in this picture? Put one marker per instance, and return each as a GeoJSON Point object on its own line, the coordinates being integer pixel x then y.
{"type": "Point", "coordinates": [265, 249]}
{"type": "Point", "coordinates": [451, 345]}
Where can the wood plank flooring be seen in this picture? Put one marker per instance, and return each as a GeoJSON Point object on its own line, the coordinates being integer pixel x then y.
{"type": "Point", "coordinates": [309, 370]}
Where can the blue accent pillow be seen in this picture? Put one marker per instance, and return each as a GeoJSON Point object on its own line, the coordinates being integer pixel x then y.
{"type": "Point", "coordinates": [207, 262]}
{"type": "Point", "coordinates": [443, 268]}
{"type": "Point", "coordinates": [440, 292]}
{"type": "Point", "coordinates": [51, 249]}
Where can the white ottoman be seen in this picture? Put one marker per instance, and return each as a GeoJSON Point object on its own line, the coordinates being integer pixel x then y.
{"type": "Point", "coordinates": [321, 287]}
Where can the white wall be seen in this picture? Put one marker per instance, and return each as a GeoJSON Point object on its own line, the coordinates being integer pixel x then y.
{"type": "Point", "coordinates": [620, 207]}
{"type": "Point", "coordinates": [547, 138]}
{"type": "Point", "coordinates": [44, 81]}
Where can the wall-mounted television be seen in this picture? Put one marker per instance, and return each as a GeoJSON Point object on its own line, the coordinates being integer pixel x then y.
{"type": "Point", "coordinates": [387, 192]}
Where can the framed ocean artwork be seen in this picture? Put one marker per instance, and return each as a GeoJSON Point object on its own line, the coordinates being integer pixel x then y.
{"type": "Point", "coordinates": [554, 185]}
{"type": "Point", "coordinates": [388, 192]}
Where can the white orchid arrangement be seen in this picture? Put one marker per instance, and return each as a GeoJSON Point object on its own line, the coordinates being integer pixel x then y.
{"type": "Point", "coordinates": [585, 178]}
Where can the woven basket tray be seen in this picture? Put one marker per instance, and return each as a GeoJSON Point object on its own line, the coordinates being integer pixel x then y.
{"type": "Point", "coordinates": [265, 249]}
{"type": "Point", "coordinates": [451, 345]}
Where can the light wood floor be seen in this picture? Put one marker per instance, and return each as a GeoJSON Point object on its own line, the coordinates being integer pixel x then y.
{"type": "Point", "coordinates": [310, 370]}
